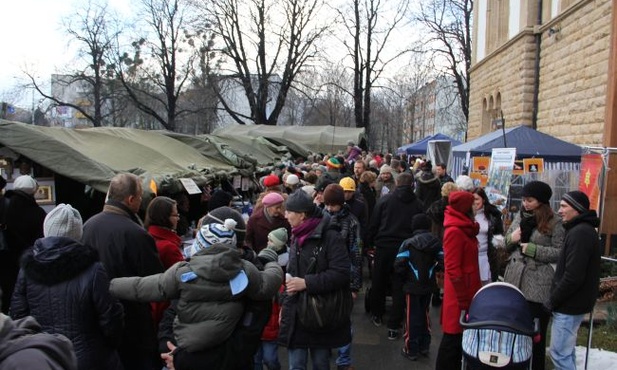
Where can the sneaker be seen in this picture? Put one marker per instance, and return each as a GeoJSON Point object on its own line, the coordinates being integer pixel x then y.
{"type": "Point", "coordinates": [376, 321]}
{"type": "Point", "coordinates": [408, 355]}
{"type": "Point", "coordinates": [392, 334]}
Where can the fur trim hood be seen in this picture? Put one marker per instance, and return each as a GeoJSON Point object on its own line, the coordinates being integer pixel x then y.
{"type": "Point", "coordinates": [55, 259]}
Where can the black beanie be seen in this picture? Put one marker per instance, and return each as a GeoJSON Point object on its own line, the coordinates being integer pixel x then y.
{"type": "Point", "coordinates": [321, 184]}
{"type": "Point", "coordinates": [420, 222]}
{"type": "Point", "coordinates": [334, 195]}
{"type": "Point", "coordinates": [577, 200]}
{"type": "Point", "coordinates": [539, 190]}
{"type": "Point", "coordinates": [299, 201]}
{"type": "Point", "coordinates": [220, 198]}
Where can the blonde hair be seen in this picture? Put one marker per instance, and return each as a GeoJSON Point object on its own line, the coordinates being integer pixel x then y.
{"type": "Point", "coordinates": [448, 188]}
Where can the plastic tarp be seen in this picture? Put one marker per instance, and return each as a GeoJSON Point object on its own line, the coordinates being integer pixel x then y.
{"type": "Point", "coordinates": [93, 156]}
{"type": "Point", "coordinates": [528, 143]}
{"type": "Point", "coordinates": [421, 146]}
{"type": "Point", "coordinates": [319, 139]}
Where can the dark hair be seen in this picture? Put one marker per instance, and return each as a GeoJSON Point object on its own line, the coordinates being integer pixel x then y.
{"type": "Point", "coordinates": [404, 179]}
{"type": "Point", "coordinates": [158, 212]}
{"type": "Point", "coordinates": [442, 165]}
{"type": "Point", "coordinates": [485, 202]}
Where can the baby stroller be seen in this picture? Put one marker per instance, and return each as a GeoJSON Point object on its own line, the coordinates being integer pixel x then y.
{"type": "Point", "coordinates": [498, 329]}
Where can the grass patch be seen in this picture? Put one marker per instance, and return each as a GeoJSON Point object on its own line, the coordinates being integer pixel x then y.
{"type": "Point", "coordinates": [604, 337]}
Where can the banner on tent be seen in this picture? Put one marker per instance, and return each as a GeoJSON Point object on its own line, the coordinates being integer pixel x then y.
{"type": "Point", "coordinates": [591, 168]}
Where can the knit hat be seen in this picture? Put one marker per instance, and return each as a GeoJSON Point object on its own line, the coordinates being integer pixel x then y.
{"type": "Point", "coordinates": [420, 221]}
{"type": "Point", "coordinates": [271, 180]}
{"type": "Point", "coordinates": [292, 180]}
{"type": "Point", "coordinates": [272, 199]}
{"type": "Point", "coordinates": [210, 234]}
{"type": "Point", "coordinates": [333, 163]}
{"type": "Point", "coordinates": [299, 201]}
{"type": "Point", "coordinates": [538, 190]}
{"type": "Point", "coordinates": [26, 184]}
{"type": "Point", "coordinates": [220, 198]}
{"type": "Point", "coordinates": [348, 184]}
{"type": "Point", "coordinates": [334, 195]}
{"type": "Point", "coordinates": [309, 189]}
{"type": "Point", "coordinates": [350, 143]}
{"type": "Point", "coordinates": [464, 183]}
{"type": "Point", "coordinates": [322, 183]}
{"type": "Point", "coordinates": [461, 201]}
{"type": "Point", "coordinates": [385, 169]}
{"type": "Point", "coordinates": [219, 216]}
{"type": "Point", "coordinates": [63, 220]}
{"type": "Point", "coordinates": [278, 237]}
{"type": "Point", "coordinates": [577, 200]}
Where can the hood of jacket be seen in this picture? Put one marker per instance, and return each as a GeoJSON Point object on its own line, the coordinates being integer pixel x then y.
{"type": "Point", "coordinates": [404, 193]}
{"type": "Point", "coordinates": [217, 263]}
{"type": "Point", "coordinates": [455, 218]}
{"type": "Point", "coordinates": [590, 217]}
{"type": "Point", "coordinates": [55, 259]}
{"type": "Point", "coordinates": [428, 178]}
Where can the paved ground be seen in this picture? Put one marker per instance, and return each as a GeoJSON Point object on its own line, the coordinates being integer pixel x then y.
{"type": "Point", "coordinates": [373, 351]}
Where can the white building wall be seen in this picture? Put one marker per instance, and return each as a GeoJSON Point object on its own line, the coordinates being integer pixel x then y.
{"type": "Point", "coordinates": [480, 46]}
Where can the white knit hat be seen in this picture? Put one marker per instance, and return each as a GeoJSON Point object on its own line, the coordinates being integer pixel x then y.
{"type": "Point", "coordinates": [26, 184]}
{"type": "Point", "coordinates": [63, 220]}
{"type": "Point", "coordinates": [465, 183]}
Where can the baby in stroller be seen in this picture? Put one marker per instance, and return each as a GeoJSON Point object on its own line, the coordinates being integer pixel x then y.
{"type": "Point", "coordinates": [498, 329]}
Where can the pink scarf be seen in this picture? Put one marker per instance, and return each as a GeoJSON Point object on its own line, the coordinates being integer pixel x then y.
{"type": "Point", "coordinates": [304, 230]}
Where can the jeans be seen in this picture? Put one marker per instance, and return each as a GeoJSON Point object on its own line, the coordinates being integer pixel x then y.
{"type": "Point", "coordinates": [344, 354]}
{"type": "Point", "coordinates": [563, 340]}
{"type": "Point", "coordinates": [298, 358]}
{"type": "Point", "coordinates": [267, 354]}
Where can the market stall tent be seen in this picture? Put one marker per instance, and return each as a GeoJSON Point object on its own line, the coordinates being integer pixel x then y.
{"type": "Point", "coordinates": [529, 143]}
{"type": "Point", "coordinates": [420, 147]}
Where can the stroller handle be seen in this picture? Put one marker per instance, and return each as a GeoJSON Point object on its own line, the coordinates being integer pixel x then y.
{"type": "Point", "coordinates": [507, 326]}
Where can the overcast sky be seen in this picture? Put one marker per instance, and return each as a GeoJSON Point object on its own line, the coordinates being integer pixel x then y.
{"type": "Point", "coordinates": [33, 39]}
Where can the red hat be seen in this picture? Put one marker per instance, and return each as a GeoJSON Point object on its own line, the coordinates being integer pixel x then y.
{"type": "Point", "coordinates": [271, 180]}
{"type": "Point", "coordinates": [461, 201]}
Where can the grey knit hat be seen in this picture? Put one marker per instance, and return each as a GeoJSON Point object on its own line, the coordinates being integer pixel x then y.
{"type": "Point", "coordinates": [63, 220]}
{"type": "Point", "coordinates": [299, 202]}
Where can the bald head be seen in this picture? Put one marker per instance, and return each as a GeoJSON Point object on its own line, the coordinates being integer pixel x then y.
{"type": "Point", "coordinates": [126, 188]}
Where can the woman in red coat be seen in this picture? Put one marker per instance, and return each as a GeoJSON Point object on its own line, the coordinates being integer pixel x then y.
{"type": "Point", "coordinates": [161, 220]}
{"type": "Point", "coordinates": [462, 275]}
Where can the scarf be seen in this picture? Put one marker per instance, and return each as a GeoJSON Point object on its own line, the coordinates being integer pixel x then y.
{"type": "Point", "coordinates": [528, 224]}
{"type": "Point", "coordinates": [301, 232]}
{"type": "Point", "coordinates": [112, 206]}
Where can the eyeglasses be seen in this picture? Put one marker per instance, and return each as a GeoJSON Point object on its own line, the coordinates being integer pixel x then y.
{"type": "Point", "coordinates": [174, 215]}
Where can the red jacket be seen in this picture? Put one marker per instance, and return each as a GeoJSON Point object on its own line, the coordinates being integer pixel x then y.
{"type": "Point", "coordinates": [271, 330]}
{"type": "Point", "coordinates": [168, 244]}
{"type": "Point", "coordinates": [462, 274]}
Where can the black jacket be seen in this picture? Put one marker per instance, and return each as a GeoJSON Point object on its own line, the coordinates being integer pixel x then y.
{"type": "Point", "coordinates": [419, 258]}
{"type": "Point", "coordinates": [495, 227]}
{"type": "Point", "coordinates": [24, 225]}
{"type": "Point", "coordinates": [577, 277]}
{"type": "Point", "coordinates": [66, 289]}
{"type": "Point", "coordinates": [126, 249]}
{"type": "Point", "coordinates": [391, 220]}
{"type": "Point", "coordinates": [333, 263]}
{"type": "Point", "coordinates": [428, 188]}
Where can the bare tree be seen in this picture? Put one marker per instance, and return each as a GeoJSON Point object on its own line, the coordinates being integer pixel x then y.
{"type": "Point", "coordinates": [265, 45]}
{"type": "Point", "coordinates": [162, 61]}
{"type": "Point", "coordinates": [94, 28]}
{"type": "Point", "coordinates": [449, 25]}
{"type": "Point", "coordinates": [370, 26]}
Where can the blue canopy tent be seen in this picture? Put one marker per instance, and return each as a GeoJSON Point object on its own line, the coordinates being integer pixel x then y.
{"type": "Point", "coordinates": [420, 146]}
{"type": "Point", "coordinates": [529, 143]}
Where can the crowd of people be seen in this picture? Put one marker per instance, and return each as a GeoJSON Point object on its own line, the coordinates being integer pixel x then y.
{"type": "Point", "coordinates": [227, 291]}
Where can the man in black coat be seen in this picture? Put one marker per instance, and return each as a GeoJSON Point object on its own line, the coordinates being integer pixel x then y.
{"type": "Point", "coordinates": [577, 277]}
{"type": "Point", "coordinates": [126, 249]}
{"type": "Point", "coordinates": [24, 224]}
{"type": "Point", "coordinates": [389, 226]}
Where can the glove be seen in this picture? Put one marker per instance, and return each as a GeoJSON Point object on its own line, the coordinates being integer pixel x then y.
{"type": "Point", "coordinates": [268, 255]}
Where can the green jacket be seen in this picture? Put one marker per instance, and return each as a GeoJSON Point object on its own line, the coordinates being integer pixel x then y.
{"type": "Point", "coordinates": [207, 310]}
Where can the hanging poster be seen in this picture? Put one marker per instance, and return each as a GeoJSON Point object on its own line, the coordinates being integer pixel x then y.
{"type": "Point", "coordinates": [533, 165]}
{"type": "Point", "coordinates": [479, 170]}
{"type": "Point", "coordinates": [519, 167]}
{"type": "Point", "coordinates": [500, 176]}
{"type": "Point", "coordinates": [589, 182]}
{"type": "Point", "coordinates": [502, 158]}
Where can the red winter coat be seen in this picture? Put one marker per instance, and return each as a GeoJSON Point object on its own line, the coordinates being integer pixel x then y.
{"type": "Point", "coordinates": [271, 330]}
{"type": "Point", "coordinates": [168, 244]}
{"type": "Point", "coordinates": [460, 247]}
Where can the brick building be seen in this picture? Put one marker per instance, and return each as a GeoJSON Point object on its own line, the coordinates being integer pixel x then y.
{"type": "Point", "coordinates": [549, 64]}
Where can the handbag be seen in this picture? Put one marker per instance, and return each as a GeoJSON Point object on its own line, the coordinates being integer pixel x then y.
{"type": "Point", "coordinates": [323, 311]}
